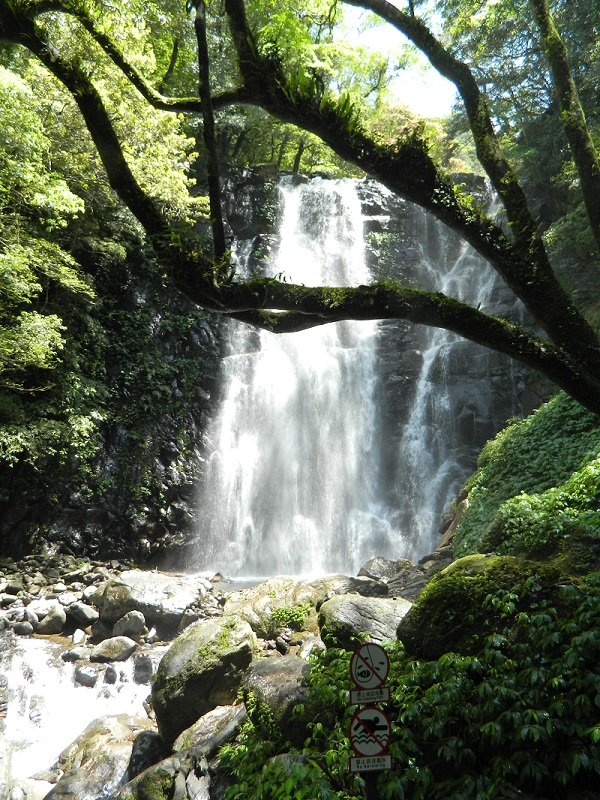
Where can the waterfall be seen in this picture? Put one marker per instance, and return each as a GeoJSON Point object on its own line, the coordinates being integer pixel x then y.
{"type": "Point", "coordinates": [462, 395]}
{"type": "Point", "coordinates": [292, 484]}
{"type": "Point", "coordinates": [299, 469]}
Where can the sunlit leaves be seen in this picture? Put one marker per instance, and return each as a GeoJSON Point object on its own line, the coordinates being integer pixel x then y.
{"type": "Point", "coordinates": [35, 201]}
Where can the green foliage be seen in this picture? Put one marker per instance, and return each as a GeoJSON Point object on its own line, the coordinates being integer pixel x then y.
{"type": "Point", "coordinates": [536, 483]}
{"type": "Point", "coordinates": [293, 617]}
{"type": "Point", "coordinates": [518, 717]}
{"type": "Point", "coordinates": [35, 202]}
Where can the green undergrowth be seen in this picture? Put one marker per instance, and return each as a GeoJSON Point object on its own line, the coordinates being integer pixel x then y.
{"type": "Point", "coordinates": [537, 486]}
{"type": "Point", "coordinates": [515, 718]}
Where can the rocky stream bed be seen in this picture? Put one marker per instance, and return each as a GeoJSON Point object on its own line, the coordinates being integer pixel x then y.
{"type": "Point", "coordinates": [192, 647]}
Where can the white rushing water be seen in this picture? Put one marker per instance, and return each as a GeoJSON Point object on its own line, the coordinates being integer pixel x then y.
{"type": "Point", "coordinates": [291, 486]}
{"type": "Point", "coordinates": [46, 709]}
{"type": "Point", "coordinates": [430, 470]}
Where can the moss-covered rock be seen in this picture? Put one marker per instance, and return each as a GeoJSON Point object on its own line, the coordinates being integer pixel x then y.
{"type": "Point", "coordinates": [201, 670]}
{"type": "Point", "coordinates": [450, 614]}
{"type": "Point", "coordinates": [274, 605]}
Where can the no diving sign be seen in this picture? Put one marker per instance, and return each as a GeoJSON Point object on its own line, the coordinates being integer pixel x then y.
{"type": "Point", "coordinates": [369, 735]}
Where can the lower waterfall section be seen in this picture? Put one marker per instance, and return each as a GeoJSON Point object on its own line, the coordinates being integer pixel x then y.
{"type": "Point", "coordinates": [306, 471]}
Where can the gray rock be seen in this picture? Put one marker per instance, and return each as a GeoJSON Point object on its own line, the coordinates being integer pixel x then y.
{"type": "Point", "coordinates": [86, 675]}
{"type": "Point", "coordinates": [74, 654]}
{"type": "Point", "coordinates": [53, 621]}
{"type": "Point", "coordinates": [344, 618]}
{"type": "Point", "coordinates": [117, 648]}
{"type": "Point", "coordinates": [276, 682]}
{"type": "Point", "coordinates": [14, 586]}
{"type": "Point", "coordinates": [330, 585]}
{"type": "Point", "coordinates": [96, 763]}
{"type": "Point", "coordinates": [78, 637]}
{"type": "Point", "coordinates": [379, 567]}
{"type": "Point", "coordinates": [202, 669]}
{"type": "Point", "coordinates": [67, 598]}
{"type": "Point", "coordinates": [23, 628]}
{"type": "Point", "coordinates": [83, 613]}
{"type": "Point", "coordinates": [213, 729]}
{"type": "Point", "coordinates": [131, 624]}
{"type": "Point", "coordinates": [148, 749]}
{"type": "Point", "coordinates": [162, 599]}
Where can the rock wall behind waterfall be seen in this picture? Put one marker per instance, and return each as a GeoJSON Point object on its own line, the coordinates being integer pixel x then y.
{"type": "Point", "coordinates": [442, 397]}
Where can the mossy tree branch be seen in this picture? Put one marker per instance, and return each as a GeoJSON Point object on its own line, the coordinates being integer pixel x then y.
{"type": "Point", "coordinates": [408, 170]}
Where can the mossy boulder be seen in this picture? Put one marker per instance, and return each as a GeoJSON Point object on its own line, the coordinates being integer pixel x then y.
{"type": "Point", "coordinates": [278, 685]}
{"type": "Point", "coordinates": [201, 670]}
{"type": "Point", "coordinates": [450, 614]}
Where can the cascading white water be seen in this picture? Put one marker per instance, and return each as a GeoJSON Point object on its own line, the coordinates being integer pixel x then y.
{"type": "Point", "coordinates": [430, 469]}
{"type": "Point", "coordinates": [294, 481]}
{"type": "Point", "coordinates": [292, 484]}
{"type": "Point", "coordinates": [46, 709]}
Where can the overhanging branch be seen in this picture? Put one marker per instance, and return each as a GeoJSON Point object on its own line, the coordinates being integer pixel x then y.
{"type": "Point", "coordinates": [288, 308]}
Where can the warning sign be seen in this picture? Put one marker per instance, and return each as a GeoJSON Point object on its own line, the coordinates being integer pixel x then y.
{"type": "Point", "coordinates": [369, 696]}
{"type": "Point", "coordinates": [369, 666]}
{"type": "Point", "coordinates": [369, 732]}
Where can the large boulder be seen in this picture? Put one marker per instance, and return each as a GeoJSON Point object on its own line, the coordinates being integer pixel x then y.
{"type": "Point", "coordinates": [162, 599]}
{"type": "Point", "coordinates": [345, 619]}
{"type": "Point", "coordinates": [277, 684]}
{"type": "Point", "coordinates": [452, 613]}
{"type": "Point", "coordinates": [202, 669]}
{"type": "Point", "coordinates": [274, 605]}
{"type": "Point", "coordinates": [186, 775]}
{"type": "Point", "coordinates": [96, 763]}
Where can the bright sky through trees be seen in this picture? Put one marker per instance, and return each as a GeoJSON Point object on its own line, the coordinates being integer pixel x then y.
{"type": "Point", "coordinates": [419, 87]}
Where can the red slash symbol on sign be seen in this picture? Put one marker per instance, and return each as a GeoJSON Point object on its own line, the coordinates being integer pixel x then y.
{"type": "Point", "coordinates": [369, 732]}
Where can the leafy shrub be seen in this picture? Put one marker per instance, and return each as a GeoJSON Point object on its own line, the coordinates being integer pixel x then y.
{"type": "Point", "coordinates": [537, 482]}
{"type": "Point", "coordinates": [293, 617]}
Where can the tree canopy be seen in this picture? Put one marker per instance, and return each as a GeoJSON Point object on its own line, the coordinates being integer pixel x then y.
{"type": "Point", "coordinates": [120, 66]}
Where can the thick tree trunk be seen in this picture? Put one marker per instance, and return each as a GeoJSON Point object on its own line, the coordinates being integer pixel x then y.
{"type": "Point", "coordinates": [208, 134]}
{"type": "Point", "coordinates": [572, 115]}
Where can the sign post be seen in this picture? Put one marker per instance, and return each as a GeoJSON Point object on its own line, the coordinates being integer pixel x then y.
{"type": "Point", "coordinates": [370, 728]}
